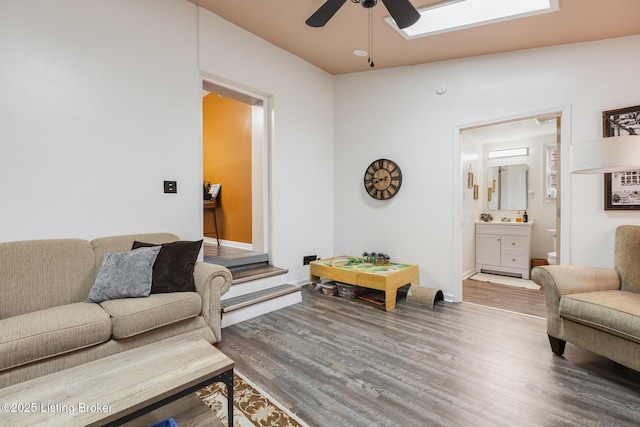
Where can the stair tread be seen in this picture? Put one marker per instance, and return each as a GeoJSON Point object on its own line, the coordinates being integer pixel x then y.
{"type": "Point", "coordinates": [260, 272]}
{"type": "Point", "coordinates": [256, 297]}
{"type": "Point", "coordinates": [233, 260]}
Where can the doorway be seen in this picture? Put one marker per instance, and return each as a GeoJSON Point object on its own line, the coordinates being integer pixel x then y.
{"type": "Point", "coordinates": [536, 132]}
{"type": "Point", "coordinates": [258, 170]}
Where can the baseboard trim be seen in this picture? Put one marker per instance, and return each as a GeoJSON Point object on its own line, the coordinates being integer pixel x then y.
{"type": "Point", "coordinates": [299, 282]}
{"type": "Point", "coordinates": [229, 243]}
{"type": "Point", "coordinates": [468, 273]}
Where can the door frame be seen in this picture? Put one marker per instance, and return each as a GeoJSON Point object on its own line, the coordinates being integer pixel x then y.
{"type": "Point", "coordinates": [262, 137]}
{"type": "Point", "coordinates": [565, 192]}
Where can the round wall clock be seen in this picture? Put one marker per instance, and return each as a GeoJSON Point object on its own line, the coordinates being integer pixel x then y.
{"type": "Point", "coordinates": [382, 179]}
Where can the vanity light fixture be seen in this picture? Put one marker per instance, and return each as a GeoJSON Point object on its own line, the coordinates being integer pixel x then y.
{"type": "Point", "coordinates": [511, 152]}
{"type": "Point", "coordinates": [606, 155]}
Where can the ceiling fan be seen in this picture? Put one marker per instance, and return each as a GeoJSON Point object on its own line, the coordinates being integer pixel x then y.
{"type": "Point", "coordinates": [401, 11]}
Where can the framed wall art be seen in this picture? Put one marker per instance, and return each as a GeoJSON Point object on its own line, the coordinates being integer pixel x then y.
{"type": "Point", "coordinates": [215, 189]}
{"type": "Point", "coordinates": [622, 189]}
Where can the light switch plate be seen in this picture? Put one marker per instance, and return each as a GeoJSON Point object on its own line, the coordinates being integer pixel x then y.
{"type": "Point", "coordinates": [170, 187]}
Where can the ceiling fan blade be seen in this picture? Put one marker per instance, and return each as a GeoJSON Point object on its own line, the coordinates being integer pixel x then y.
{"type": "Point", "coordinates": [403, 12]}
{"type": "Point", "coordinates": [326, 12]}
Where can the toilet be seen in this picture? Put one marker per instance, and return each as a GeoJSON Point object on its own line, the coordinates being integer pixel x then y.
{"type": "Point", "coordinates": [551, 256]}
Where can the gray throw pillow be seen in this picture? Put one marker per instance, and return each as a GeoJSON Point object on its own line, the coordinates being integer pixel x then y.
{"type": "Point", "coordinates": [124, 275]}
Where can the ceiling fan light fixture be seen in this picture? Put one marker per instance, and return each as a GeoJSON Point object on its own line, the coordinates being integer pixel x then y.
{"type": "Point", "coordinates": [360, 52]}
{"type": "Point", "coordinates": [402, 11]}
{"type": "Point", "coordinates": [368, 4]}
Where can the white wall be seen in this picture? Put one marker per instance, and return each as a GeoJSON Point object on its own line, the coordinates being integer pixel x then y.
{"type": "Point", "coordinates": [396, 113]}
{"type": "Point", "coordinates": [101, 102]}
{"type": "Point", "coordinates": [302, 141]}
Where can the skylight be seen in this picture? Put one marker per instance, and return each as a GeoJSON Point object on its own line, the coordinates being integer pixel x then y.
{"type": "Point", "coordinates": [458, 14]}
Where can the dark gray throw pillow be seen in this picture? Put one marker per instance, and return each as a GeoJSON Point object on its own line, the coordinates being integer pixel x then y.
{"type": "Point", "coordinates": [124, 275]}
{"type": "Point", "coordinates": [173, 269]}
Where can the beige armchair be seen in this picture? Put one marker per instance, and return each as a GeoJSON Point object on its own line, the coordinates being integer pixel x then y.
{"type": "Point", "coordinates": [597, 308]}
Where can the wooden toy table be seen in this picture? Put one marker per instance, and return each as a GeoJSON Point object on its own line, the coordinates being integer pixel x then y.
{"type": "Point", "coordinates": [387, 278]}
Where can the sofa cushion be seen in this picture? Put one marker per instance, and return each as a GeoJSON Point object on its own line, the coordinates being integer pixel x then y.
{"type": "Point", "coordinates": [134, 316]}
{"type": "Point", "coordinates": [52, 331]}
{"type": "Point", "coordinates": [40, 274]}
{"type": "Point", "coordinates": [124, 275]}
{"type": "Point", "coordinates": [615, 312]}
{"type": "Point", "coordinates": [173, 269]}
{"type": "Point", "coordinates": [113, 244]}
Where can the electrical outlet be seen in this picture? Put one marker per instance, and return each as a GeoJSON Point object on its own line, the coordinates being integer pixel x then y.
{"type": "Point", "coordinates": [307, 259]}
{"type": "Point", "coordinates": [170, 187]}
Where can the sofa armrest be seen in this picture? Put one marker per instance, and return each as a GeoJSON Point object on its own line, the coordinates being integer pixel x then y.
{"type": "Point", "coordinates": [559, 280]}
{"type": "Point", "coordinates": [212, 281]}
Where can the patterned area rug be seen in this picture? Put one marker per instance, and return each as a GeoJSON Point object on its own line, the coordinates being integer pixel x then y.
{"type": "Point", "coordinates": [252, 407]}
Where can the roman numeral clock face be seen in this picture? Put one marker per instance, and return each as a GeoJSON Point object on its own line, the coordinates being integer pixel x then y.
{"type": "Point", "coordinates": [382, 179]}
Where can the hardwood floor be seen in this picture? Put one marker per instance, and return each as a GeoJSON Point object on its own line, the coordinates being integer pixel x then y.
{"type": "Point", "coordinates": [211, 250]}
{"type": "Point", "coordinates": [338, 362]}
{"type": "Point", "coordinates": [520, 300]}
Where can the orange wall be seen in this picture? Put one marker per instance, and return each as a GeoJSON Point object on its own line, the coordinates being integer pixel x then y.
{"type": "Point", "coordinates": [227, 161]}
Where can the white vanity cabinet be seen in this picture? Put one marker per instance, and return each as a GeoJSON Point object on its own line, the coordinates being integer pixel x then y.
{"type": "Point", "coordinates": [504, 247]}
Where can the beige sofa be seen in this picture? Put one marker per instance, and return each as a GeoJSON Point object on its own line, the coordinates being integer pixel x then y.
{"type": "Point", "coordinates": [46, 324]}
{"type": "Point", "coordinates": [597, 308]}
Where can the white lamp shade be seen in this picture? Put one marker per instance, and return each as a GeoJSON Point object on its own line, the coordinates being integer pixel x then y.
{"type": "Point", "coordinates": [604, 155]}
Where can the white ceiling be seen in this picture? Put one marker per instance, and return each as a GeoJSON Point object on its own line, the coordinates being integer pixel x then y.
{"type": "Point", "coordinates": [282, 23]}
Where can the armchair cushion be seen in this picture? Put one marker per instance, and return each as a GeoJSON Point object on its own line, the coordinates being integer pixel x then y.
{"type": "Point", "coordinates": [614, 312]}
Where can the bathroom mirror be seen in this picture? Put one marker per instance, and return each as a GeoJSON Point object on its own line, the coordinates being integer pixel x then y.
{"type": "Point", "coordinates": [507, 188]}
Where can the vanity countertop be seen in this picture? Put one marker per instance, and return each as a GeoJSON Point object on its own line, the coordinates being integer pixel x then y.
{"type": "Point", "coordinates": [530, 223]}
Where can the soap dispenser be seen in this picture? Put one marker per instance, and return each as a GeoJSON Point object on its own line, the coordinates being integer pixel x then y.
{"type": "Point", "coordinates": [525, 217]}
